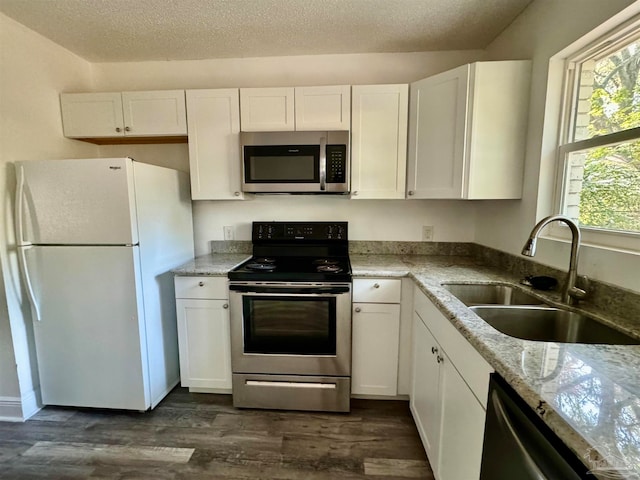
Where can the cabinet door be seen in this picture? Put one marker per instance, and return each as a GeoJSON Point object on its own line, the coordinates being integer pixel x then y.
{"type": "Point", "coordinates": [323, 108]}
{"type": "Point", "coordinates": [376, 329]}
{"type": "Point", "coordinates": [437, 130]}
{"type": "Point", "coordinates": [154, 113]}
{"type": "Point", "coordinates": [379, 141]}
{"type": "Point", "coordinates": [214, 144]}
{"type": "Point", "coordinates": [425, 388]}
{"type": "Point", "coordinates": [462, 428]}
{"type": "Point", "coordinates": [267, 109]}
{"type": "Point", "coordinates": [204, 343]}
{"type": "Point", "coordinates": [92, 115]}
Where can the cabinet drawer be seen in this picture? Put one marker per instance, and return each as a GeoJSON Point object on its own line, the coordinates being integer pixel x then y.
{"type": "Point", "coordinates": [376, 290]}
{"type": "Point", "coordinates": [201, 287]}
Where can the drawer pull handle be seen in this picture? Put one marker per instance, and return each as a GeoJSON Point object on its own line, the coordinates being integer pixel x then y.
{"type": "Point", "coordinates": [439, 359]}
{"type": "Point", "coordinates": [376, 285]}
{"type": "Point", "coordinates": [358, 309]}
{"type": "Point", "coordinates": [201, 284]}
{"type": "Point", "coordinates": [225, 306]}
{"type": "Point", "coordinates": [434, 350]}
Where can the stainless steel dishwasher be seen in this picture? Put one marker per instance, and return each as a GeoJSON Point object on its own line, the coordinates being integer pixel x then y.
{"type": "Point", "coordinates": [518, 445]}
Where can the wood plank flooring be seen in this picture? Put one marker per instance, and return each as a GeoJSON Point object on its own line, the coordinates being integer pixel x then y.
{"type": "Point", "coordinates": [201, 436]}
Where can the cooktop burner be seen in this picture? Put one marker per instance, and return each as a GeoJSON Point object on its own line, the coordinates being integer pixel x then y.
{"type": "Point", "coordinates": [297, 252]}
{"type": "Point", "coordinates": [326, 261]}
{"type": "Point", "coordinates": [329, 268]}
{"type": "Point", "coordinates": [260, 267]}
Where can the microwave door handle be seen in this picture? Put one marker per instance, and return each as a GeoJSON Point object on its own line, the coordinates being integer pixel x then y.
{"type": "Point", "coordinates": [323, 164]}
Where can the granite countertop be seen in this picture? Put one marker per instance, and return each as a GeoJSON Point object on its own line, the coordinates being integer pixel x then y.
{"type": "Point", "coordinates": [589, 395]}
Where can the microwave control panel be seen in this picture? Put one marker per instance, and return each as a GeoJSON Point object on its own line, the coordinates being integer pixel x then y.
{"type": "Point", "coordinates": [336, 163]}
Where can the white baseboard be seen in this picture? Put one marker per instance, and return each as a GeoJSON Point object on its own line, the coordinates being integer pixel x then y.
{"type": "Point", "coordinates": [11, 409]}
{"type": "Point", "coordinates": [19, 409]}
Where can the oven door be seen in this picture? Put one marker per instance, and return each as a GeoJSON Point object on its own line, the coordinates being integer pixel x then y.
{"type": "Point", "coordinates": [290, 328]}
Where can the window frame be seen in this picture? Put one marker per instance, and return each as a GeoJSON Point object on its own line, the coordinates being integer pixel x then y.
{"type": "Point", "coordinates": [611, 40]}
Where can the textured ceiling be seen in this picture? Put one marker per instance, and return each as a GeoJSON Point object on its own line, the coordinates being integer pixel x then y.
{"type": "Point", "coordinates": [139, 30]}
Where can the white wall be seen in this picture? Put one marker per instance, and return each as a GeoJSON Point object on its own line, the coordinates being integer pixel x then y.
{"type": "Point", "coordinates": [541, 31]}
{"type": "Point", "coordinates": [279, 71]}
{"type": "Point", "coordinates": [400, 220]}
{"type": "Point", "coordinates": [368, 220]}
{"type": "Point", "coordinates": [33, 72]}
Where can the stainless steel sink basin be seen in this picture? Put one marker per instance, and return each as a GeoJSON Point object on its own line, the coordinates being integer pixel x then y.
{"type": "Point", "coordinates": [551, 325]}
{"type": "Point", "coordinates": [482, 294]}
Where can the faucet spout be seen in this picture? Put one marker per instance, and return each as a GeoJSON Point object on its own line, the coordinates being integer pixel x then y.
{"type": "Point", "coordinates": [570, 293]}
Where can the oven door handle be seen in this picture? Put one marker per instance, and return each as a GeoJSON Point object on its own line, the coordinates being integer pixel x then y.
{"type": "Point", "coordinates": [290, 290]}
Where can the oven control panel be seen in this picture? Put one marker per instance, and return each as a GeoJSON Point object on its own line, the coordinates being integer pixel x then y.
{"type": "Point", "coordinates": [297, 231]}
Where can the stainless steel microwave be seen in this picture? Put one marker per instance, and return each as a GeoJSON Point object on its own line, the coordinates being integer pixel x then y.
{"type": "Point", "coordinates": [295, 162]}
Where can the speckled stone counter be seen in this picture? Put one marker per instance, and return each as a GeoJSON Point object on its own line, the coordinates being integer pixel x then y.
{"type": "Point", "coordinates": [589, 395]}
{"type": "Point", "coordinates": [217, 265]}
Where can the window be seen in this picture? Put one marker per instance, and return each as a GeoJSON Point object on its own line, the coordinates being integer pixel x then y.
{"type": "Point", "coordinates": [599, 181]}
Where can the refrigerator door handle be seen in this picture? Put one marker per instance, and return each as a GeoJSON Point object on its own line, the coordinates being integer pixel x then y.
{"type": "Point", "coordinates": [18, 207]}
{"type": "Point", "coordinates": [22, 261]}
{"type": "Point", "coordinates": [21, 244]}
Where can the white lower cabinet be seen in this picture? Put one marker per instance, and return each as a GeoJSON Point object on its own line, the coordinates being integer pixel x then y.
{"type": "Point", "coordinates": [450, 383]}
{"type": "Point", "coordinates": [375, 332]}
{"type": "Point", "coordinates": [203, 334]}
{"type": "Point", "coordinates": [375, 337]}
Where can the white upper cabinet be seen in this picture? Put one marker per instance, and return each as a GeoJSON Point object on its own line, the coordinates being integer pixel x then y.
{"type": "Point", "coordinates": [300, 108]}
{"type": "Point", "coordinates": [323, 108]}
{"type": "Point", "coordinates": [154, 113]}
{"type": "Point", "coordinates": [131, 114]}
{"type": "Point", "coordinates": [267, 109]}
{"type": "Point", "coordinates": [214, 144]}
{"type": "Point", "coordinates": [379, 141]}
{"type": "Point", "coordinates": [467, 132]}
{"type": "Point", "coordinates": [92, 114]}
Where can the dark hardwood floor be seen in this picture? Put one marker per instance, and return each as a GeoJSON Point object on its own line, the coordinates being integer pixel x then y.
{"type": "Point", "coordinates": [201, 436]}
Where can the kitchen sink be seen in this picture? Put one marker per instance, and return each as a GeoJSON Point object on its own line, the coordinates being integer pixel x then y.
{"type": "Point", "coordinates": [551, 325]}
{"type": "Point", "coordinates": [496, 294]}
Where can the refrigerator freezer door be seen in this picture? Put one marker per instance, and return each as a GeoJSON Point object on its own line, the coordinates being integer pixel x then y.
{"type": "Point", "coordinates": [77, 202]}
{"type": "Point", "coordinates": [90, 342]}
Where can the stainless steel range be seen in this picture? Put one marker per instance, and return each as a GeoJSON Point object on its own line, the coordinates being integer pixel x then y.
{"type": "Point", "coordinates": [290, 308]}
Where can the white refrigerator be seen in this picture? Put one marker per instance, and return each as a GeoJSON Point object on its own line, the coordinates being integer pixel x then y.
{"type": "Point", "coordinates": [97, 239]}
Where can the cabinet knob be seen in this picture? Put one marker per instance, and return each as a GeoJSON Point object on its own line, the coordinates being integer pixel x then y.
{"type": "Point", "coordinates": [355, 193]}
{"type": "Point", "coordinates": [411, 192]}
{"type": "Point", "coordinates": [201, 284]}
{"type": "Point", "coordinates": [237, 194]}
{"type": "Point", "coordinates": [376, 285]}
{"type": "Point", "coordinates": [118, 129]}
{"type": "Point", "coordinates": [127, 129]}
{"type": "Point", "coordinates": [225, 306]}
{"type": "Point", "coordinates": [439, 359]}
{"type": "Point", "coordinates": [434, 350]}
{"type": "Point", "coordinates": [358, 309]}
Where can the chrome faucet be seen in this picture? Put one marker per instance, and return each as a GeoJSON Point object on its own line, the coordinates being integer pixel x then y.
{"type": "Point", "coordinates": [570, 293]}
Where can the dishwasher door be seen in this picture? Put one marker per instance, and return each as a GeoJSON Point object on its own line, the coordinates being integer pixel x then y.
{"type": "Point", "coordinates": [518, 445]}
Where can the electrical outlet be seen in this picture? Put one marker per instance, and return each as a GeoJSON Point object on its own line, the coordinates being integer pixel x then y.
{"type": "Point", "coordinates": [427, 233]}
{"type": "Point", "coordinates": [228, 232]}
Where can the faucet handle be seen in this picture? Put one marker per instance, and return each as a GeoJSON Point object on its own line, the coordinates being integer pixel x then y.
{"type": "Point", "coordinates": [580, 293]}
